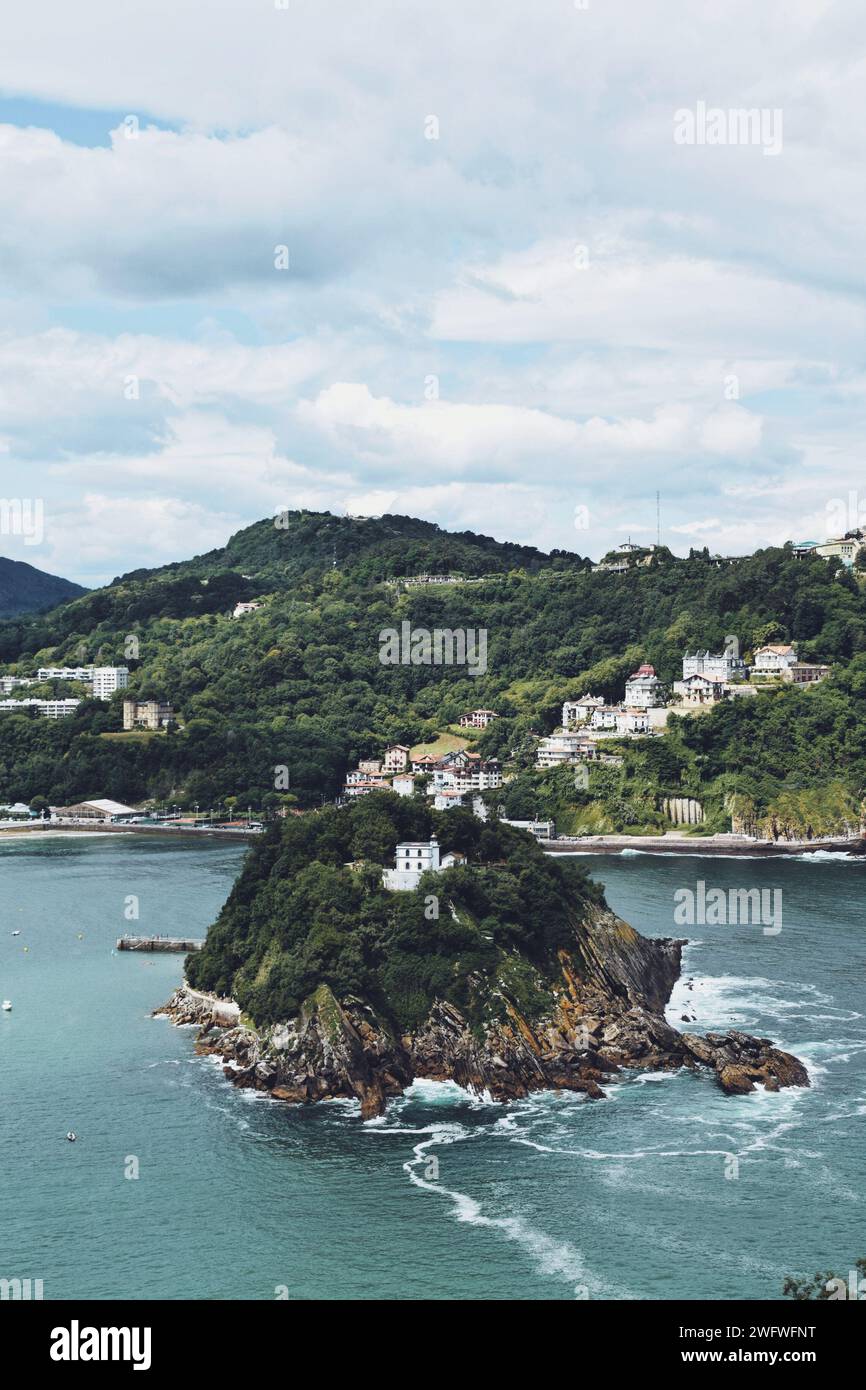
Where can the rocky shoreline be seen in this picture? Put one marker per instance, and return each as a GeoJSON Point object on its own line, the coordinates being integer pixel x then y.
{"type": "Point", "coordinates": [605, 1016]}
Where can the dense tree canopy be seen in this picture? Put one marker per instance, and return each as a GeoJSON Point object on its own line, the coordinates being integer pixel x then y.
{"type": "Point", "coordinates": [309, 908]}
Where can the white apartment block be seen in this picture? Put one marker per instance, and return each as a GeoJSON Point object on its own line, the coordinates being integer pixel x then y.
{"type": "Point", "coordinates": [64, 673]}
{"type": "Point", "coordinates": [107, 679]}
{"type": "Point", "coordinates": [464, 777]}
{"type": "Point", "coordinates": [103, 680]}
{"type": "Point", "coordinates": [48, 709]}
{"type": "Point", "coordinates": [716, 666]}
{"type": "Point", "coordinates": [565, 747]}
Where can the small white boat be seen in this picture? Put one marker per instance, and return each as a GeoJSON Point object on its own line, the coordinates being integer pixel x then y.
{"type": "Point", "coordinates": [7, 1005]}
{"type": "Point", "coordinates": [72, 1136]}
{"type": "Point", "coordinates": [16, 933]}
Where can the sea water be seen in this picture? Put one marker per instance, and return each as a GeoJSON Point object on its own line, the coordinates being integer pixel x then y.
{"type": "Point", "coordinates": [180, 1186]}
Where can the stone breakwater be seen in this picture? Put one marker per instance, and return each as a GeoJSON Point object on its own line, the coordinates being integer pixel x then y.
{"type": "Point", "coordinates": [604, 1016]}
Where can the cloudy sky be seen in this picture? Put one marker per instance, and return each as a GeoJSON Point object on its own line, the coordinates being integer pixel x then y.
{"type": "Point", "coordinates": [448, 260]}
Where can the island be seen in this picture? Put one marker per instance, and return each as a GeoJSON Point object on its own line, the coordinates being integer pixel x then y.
{"type": "Point", "coordinates": [367, 946]}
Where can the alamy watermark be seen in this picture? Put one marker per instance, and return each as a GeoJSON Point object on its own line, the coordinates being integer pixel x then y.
{"type": "Point", "coordinates": [714, 125]}
{"type": "Point", "coordinates": [21, 1290]}
{"type": "Point", "coordinates": [23, 516]}
{"type": "Point", "coordinates": [419, 646]}
{"type": "Point", "coordinates": [713, 907]}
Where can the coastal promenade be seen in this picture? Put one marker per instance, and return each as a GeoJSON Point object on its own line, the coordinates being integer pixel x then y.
{"type": "Point", "coordinates": [675, 842]}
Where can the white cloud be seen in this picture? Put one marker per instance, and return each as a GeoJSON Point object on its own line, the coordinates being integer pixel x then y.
{"type": "Point", "coordinates": [153, 258]}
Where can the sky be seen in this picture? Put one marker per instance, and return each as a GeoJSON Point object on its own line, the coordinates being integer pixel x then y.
{"type": "Point", "coordinates": [512, 268]}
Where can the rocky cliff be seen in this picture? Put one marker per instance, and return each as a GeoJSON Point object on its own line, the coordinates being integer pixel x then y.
{"type": "Point", "coordinates": [604, 1014]}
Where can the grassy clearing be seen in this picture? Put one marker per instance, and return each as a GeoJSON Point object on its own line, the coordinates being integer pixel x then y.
{"type": "Point", "coordinates": [443, 743]}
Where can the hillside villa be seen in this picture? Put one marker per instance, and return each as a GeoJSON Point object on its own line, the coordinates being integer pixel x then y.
{"type": "Point", "coordinates": [477, 719]}
{"type": "Point", "coordinates": [147, 714]}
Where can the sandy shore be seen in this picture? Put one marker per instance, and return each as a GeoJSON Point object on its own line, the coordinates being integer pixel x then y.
{"type": "Point", "coordinates": [99, 829]}
{"type": "Point", "coordinates": [675, 843]}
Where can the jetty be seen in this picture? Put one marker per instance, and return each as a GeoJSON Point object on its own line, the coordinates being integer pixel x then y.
{"type": "Point", "coordinates": [184, 944]}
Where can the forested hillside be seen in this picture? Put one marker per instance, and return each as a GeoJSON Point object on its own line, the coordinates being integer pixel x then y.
{"type": "Point", "coordinates": [299, 683]}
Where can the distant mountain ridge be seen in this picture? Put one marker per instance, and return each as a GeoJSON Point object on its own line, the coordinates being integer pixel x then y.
{"type": "Point", "coordinates": [24, 589]}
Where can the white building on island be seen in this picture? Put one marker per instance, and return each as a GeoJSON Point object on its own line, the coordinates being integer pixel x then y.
{"type": "Point", "coordinates": [414, 858]}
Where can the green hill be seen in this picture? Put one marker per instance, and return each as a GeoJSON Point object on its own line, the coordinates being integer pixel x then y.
{"type": "Point", "coordinates": [24, 589]}
{"type": "Point", "coordinates": [299, 684]}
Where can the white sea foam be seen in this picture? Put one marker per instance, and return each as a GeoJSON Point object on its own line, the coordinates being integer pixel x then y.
{"type": "Point", "coordinates": [829, 856]}
{"type": "Point", "coordinates": [552, 1257]}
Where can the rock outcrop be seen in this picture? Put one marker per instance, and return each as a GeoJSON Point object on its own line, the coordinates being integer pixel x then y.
{"type": "Point", "coordinates": [604, 1015]}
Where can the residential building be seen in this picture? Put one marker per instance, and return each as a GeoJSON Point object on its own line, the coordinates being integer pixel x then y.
{"type": "Point", "coordinates": [363, 786]}
{"type": "Point", "coordinates": [775, 659]}
{"type": "Point", "coordinates": [446, 800]}
{"type": "Point", "coordinates": [566, 746]}
{"type": "Point", "coordinates": [698, 689]}
{"type": "Point", "coordinates": [147, 714]}
{"type": "Point", "coordinates": [362, 776]}
{"type": "Point", "coordinates": [846, 548]}
{"type": "Point", "coordinates": [580, 710]}
{"type": "Point", "coordinates": [242, 609]}
{"type": "Point", "coordinates": [465, 772]}
{"type": "Point", "coordinates": [716, 666]}
{"type": "Point", "coordinates": [478, 718]}
{"type": "Point", "coordinates": [48, 709]}
{"type": "Point", "coordinates": [103, 680]}
{"type": "Point", "coordinates": [425, 763]}
{"type": "Point", "coordinates": [633, 721]}
{"type": "Point", "coordinates": [644, 688]}
{"type": "Point", "coordinates": [604, 717]}
{"type": "Point", "coordinates": [367, 777]}
{"type": "Point", "coordinates": [10, 683]}
{"type": "Point", "coordinates": [541, 829]}
{"type": "Point", "coordinates": [806, 673]}
{"type": "Point", "coordinates": [106, 679]}
{"type": "Point", "coordinates": [396, 758]}
{"type": "Point", "coordinates": [65, 673]}
{"type": "Point", "coordinates": [403, 784]}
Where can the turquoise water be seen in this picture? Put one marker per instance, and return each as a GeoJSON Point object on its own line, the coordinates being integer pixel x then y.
{"type": "Point", "coordinates": [446, 1197]}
